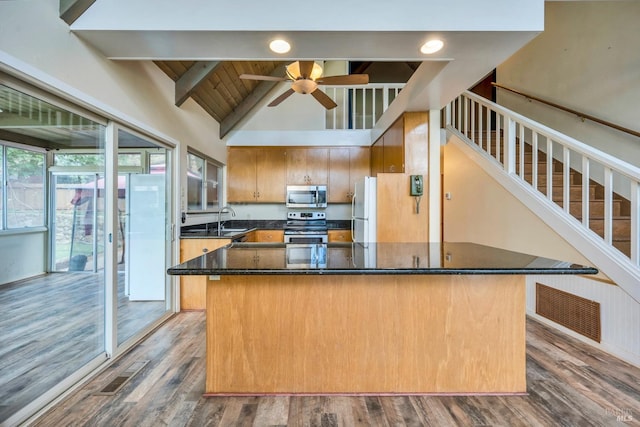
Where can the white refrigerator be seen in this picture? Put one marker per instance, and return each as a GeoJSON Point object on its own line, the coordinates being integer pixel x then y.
{"type": "Point", "coordinates": [363, 211]}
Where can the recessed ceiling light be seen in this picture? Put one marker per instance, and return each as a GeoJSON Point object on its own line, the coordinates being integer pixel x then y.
{"type": "Point", "coordinates": [432, 46]}
{"type": "Point", "coordinates": [279, 46]}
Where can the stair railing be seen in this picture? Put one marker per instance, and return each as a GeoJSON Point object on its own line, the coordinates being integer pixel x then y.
{"type": "Point", "coordinates": [359, 107]}
{"type": "Point", "coordinates": [508, 137]}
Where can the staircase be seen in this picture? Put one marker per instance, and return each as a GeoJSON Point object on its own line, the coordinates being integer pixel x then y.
{"type": "Point", "coordinates": [588, 197]}
{"type": "Point", "coordinates": [620, 206]}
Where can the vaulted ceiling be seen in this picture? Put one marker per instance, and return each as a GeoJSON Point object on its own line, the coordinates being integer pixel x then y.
{"type": "Point", "coordinates": [217, 87]}
{"type": "Point", "coordinates": [203, 46]}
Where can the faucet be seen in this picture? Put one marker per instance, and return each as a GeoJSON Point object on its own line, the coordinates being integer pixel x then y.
{"type": "Point", "coordinates": [224, 209]}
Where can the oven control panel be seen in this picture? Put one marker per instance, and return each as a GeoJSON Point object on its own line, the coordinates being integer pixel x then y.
{"type": "Point", "coordinates": [306, 215]}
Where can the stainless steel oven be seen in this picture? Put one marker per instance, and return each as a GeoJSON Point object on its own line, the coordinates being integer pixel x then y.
{"type": "Point", "coordinates": [306, 227]}
{"type": "Point", "coordinates": [306, 196]}
{"type": "Point", "coordinates": [307, 256]}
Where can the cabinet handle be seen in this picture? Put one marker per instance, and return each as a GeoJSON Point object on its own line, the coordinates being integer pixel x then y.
{"type": "Point", "coordinates": [205, 250]}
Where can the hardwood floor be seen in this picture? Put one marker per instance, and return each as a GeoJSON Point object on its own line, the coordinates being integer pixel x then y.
{"type": "Point", "coordinates": [52, 325]}
{"type": "Point", "coordinates": [569, 384]}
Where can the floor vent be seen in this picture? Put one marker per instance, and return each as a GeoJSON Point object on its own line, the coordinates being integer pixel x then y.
{"type": "Point", "coordinates": [571, 311]}
{"type": "Point", "coordinates": [118, 382]}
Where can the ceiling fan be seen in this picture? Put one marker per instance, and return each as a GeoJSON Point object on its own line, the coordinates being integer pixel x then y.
{"type": "Point", "coordinates": [305, 77]}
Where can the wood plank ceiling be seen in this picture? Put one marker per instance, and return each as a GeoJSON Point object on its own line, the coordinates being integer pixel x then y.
{"type": "Point", "coordinates": [218, 88]}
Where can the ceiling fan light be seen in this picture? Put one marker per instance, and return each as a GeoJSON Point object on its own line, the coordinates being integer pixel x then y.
{"type": "Point", "coordinates": [304, 86]}
{"type": "Point", "coordinates": [432, 46]}
{"type": "Point", "coordinates": [279, 46]}
{"type": "Point", "coordinates": [293, 71]}
{"type": "Point", "coordinates": [316, 72]}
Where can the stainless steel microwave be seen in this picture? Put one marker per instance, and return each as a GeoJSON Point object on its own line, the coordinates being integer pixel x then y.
{"type": "Point", "coordinates": [306, 196]}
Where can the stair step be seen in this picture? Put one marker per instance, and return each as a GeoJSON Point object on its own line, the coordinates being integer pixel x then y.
{"type": "Point", "coordinates": [542, 167]}
{"type": "Point", "coordinates": [575, 192]}
{"type": "Point", "coordinates": [557, 179]}
{"type": "Point", "coordinates": [623, 246]}
{"type": "Point", "coordinates": [621, 227]}
{"type": "Point", "coordinates": [596, 208]}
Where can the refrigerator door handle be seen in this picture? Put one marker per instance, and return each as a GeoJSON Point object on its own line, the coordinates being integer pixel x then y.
{"type": "Point", "coordinates": [353, 215]}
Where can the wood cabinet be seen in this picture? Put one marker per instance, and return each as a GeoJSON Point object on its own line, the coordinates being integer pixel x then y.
{"type": "Point", "coordinates": [403, 148]}
{"type": "Point", "coordinates": [307, 166]}
{"type": "Point", "coordinates": [193, 288]}
{"type": "Point", "coordinates": [393, 157]}
{"type": "Point", "coordinates": [377, 157]}
{"type": "Point", "coordinates": [339, 235]}
{"type": "Point", "coordinates": [257, 258]}
{"type": "Point", "coordinates": [387, 153]}
{"type": "Point", "coordinates": [256, 174]}
{"type": "Point", "coordinates": [340, 257]}
{"type": "Point", "coordinates": [275, 236]}
{"type": "Point", "coordinates": [260, 174]}
{"type": "Point", "coordinates": [346, 166]}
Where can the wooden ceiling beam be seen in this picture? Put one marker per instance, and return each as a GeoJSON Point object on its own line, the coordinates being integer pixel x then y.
{"type": "Point", "coordinates": [70, 10]}
{"type": "Point", "coordinates": [189, 81]}
{"type": "Point", "coordinates": [248, 103]}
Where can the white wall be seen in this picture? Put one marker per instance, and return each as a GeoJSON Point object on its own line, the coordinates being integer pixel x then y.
{"type": "Point", "coordinates": [587, 59]}
{"type": "Point", "coordinates": [482, 211]}
{"type": "Point", "coordinates": [22, 256]}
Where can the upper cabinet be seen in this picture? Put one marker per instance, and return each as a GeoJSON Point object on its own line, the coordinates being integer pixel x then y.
{"type": "Point", "coordinates": [256, 174]}
{"type": "Point", "coordinates": [403, 148]}
{"type": "Point", "coordinates": [346, 166]}
{"type": "Point", "coordinates": [307, 166]}
{"type": "Point", "coordinates": [261, 174]}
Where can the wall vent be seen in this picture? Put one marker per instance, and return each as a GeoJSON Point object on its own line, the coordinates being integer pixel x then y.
{"type": "Point", "coordinates": [571, 311]}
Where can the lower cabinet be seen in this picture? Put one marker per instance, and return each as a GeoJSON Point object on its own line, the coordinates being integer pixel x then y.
{"type": "Point", "coordinates": [339, 235]}
{"type": "Point", "coordinates": [274, 236]}
{"type": "Point", "coordinates": [193, 289]}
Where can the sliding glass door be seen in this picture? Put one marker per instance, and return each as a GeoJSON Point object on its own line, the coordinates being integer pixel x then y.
{"type": "Point", "coordinates": [143, 285]}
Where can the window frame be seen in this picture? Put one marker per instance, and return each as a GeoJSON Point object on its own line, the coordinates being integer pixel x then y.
{"type": "Point", "coordinates": [204, 203]}
{"type": "Point", "coordinates": [4, 213]}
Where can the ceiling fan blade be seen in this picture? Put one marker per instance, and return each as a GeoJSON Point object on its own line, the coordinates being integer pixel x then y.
{"type": "Point", "coordinates": [258, 77]}
{"type": "Point", "coordinates": [324, 99]}
{"type": "Point", "coordinates": [306, 67]}
{"type": "Point", "coordinates": [281, 98]}
{"type": "Point", "coordinates": [350, 79]}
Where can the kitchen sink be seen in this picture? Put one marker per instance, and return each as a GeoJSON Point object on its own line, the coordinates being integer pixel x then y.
{"type": "Point", "coordinates": [233, 230]}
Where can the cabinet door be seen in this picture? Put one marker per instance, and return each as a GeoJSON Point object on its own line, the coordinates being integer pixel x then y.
{"type": "Point", "coordinates": [377, 161]}
{"type": "Point", "coordinates": [274, 236]}
{"type": "Point", "coordinates": [307, 166]}
{"type": "Point", "coordinates": [269, 258]}
{"type": "Point", "coordinates": [296, 166]}
{"type": "Point", "coordinates": [193, 289]}
{"type": "Point", "coordinates": [339, 187]}
{"type": "Point", "coordinates": [241, 175]}
{"type": "Point", "coordinates": [270, 175]}
{"type": "Point", "coordinates": [393, 156]}
{"type": "Point", "coordinates": [340, 258]}
{"type": "Point", "coordinates": [339, 235]}
{"type": "Point", "coordinates": [318, 166]}
{"type": "Point", "coordinates": [359, 166]}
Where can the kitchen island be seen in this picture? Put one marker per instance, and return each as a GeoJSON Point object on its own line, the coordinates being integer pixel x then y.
{"type": "Point", "coordinates": [380, 318]}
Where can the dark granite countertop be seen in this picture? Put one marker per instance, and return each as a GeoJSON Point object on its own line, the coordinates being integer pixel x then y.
{"type": "Point", "coordinates": [210, 231]}
{"type": "Point", "coordinates": [371, 258]}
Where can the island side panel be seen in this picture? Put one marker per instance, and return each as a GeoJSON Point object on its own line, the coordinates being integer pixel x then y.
{"type": "Point", "coordinates": [366, 334]}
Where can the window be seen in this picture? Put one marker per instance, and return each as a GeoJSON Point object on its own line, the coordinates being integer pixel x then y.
{"type": "Point", "coordinates": [22, 175]}
{"type": "Point", "coordinates": [203, 183]}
